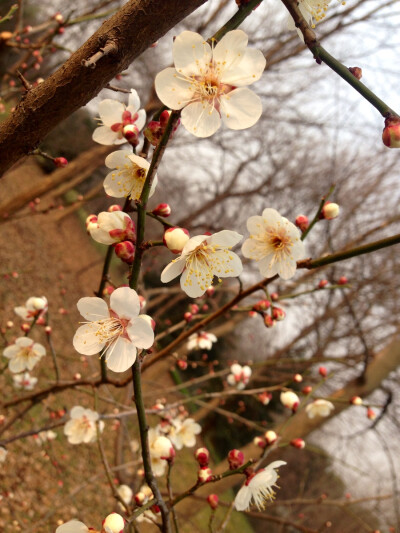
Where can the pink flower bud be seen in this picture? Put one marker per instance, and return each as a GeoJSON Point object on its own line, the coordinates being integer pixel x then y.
{"type": "Point", "coordinates": [270, 437]}
{"type": "Point", "coordinates": [356, 71]}
{"type": "Point", "coordinates": [298, 378]}
{"type": "Point", "coordinates": [77, 376]}
{"type": "Point", "coordinates": [213, 501]}
{"type": "Point", "coordinates": [175, 239]}
{"type": "Point", "coordinates": [194, 309]}
{"type": "Point", "coordinates": [323, 283]}
{"type": "Point", "coordinates": [9, 324]}
{"type": "Point", "coordinates": [60, 162]}
{"type": "Point", "coordinates": [162, 447]}
{"type": "Point", "coordinates": [188, 316]}
{"type": "Point", "coordinates": [356, 400]}
{"type": "Point", "coordinates": [278, 314]}
{"type": "Point", "coordinates": [202, 456]}
{"type": "Point", "coordinates": [262, 305]}
{"type": "Point", "coordinates": [302, 222]}
{"type": "Point", "coordinates": [371, 413]}
{"type": "Point", "coordinates": [298, 443]}
{"type": "Point", "coordinates": [290, 400]}
{"type": "Point", "coordinates": [48, 330]}
{"type": "Point", "coordinates": [269, 321]}
{"type": "Point", "coordinates": [25, 327]}
{"type": "Point", "coordinates": [162, 210]}
{"type": "Point", "coordinates": [114, 207]}
{"type": "Point", "coordinates": [204, 474]}
{"type": "Point", "coordinates": [91, 222]}
{"type": "Point", "coordinates": [343, 280]}
{"type": "Point", "coordinates": [306, 390]}
{"type": "Point", "coordinates": [113, 523]}
{"type": "Point", "coordinates": [131, 134]}
{"type": "Point", "coordinates": [164, 117]}
{"type": "Point", "coordinates": [41, 321]}
{"type": "Point", "coordinates": [140, 498]}
{"type": "Point", "coordinates": [210, 291]}
{"type": "Point", "coordinates": [182, 364]}
{"type": "Point", "coordinates": [274, 296]}
{"type": "Point", "coordinates": [259, 442]}
{"type": "Point", "coordinates": [322, 371]}
{"type": "Point", "coordinates": [235, 459]}
{"type": "Point", "coordinates": [330, 211]}
{"type": "Point", "coordinates": [391, 133]}
{"type": "Point", "coordinates": [265, 397]}
{"type": "Point", "coordinates": [125, 250]}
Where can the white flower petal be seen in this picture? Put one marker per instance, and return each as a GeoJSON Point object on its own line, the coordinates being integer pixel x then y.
{"type": "Point", "coordinates": [255, 224]}
{"type": "Point", "coordinates": [240, 108]}
{"type": "Point", "coordinates": [121, 355]}
{"type": "Point", "coordinates": [225, 238]}
{"type": "Point", "coordinates": [242, 499]}
{"type": "Point", "coordinates": [247, 71]}
{"type": "Point", "coordinates": [125, 303]}
{"type": "Point", "coordinates": [201, 119]}
{"type": "Point", "coordinates": [271, 217]}
{"type": "Point", "coordinates": [190, 284]}
{"type": "Point", "coordinates": [133, 102]}
{"type": "Point", "coordinates": [193, 243]}
{"type": "Point", "coordinates": [86, 341]}
{"type": "Point", "coordinates": [73, 526]}
{"type": "Point", "coordinates": [174, 269]}
{"type": "Point", "coordinates": [229, 264]}
{"type": "Point", "coordinates": [141, 120]}
{"type": "Point", "coordinates": [77, 411]}
{"type": "Point", "coordinates": [191, 53]}
{"type": "Point", "coordinates": [230, 50]}
{"type": "Point", "coordinates": [140, 332]}
{"type": "Point", "coordinates": [118, 188]}
{"type": "Point", "coordinates": [92, 308]}
{"type": "Point", "coordinates": [102, 236]}
{"type": "Point", "coordinates": [110, 112]}
{"type": "Point", "coordinates": [252, 249]}
{"type": "Point", "coordinates": [105, 135]}
{"type": "Point", "coordinates": [173, 92]}
{"type": "Point", "coordinates": [118, 159]}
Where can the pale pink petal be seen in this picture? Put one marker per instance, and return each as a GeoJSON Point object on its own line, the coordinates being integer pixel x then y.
{"type": "Point", "coordinates": [121, 355]}
{"type": "Point", "coordinates": [286, 268]}
{"type": "Point", "coordinates": [39, 349]}
{"type": "Point", "coordinates": [92, 308]}
{"type": "Point", "coordinates": [268, 267]}
{"type": "Point", "coordinates": [105, 135]}
{"type": "Point", "coordinates": [174, 269]}
{"type": "Point", "coordinates": [201, 119]}
{"type": "Point", "coordinates": [173, 91]}
{"type": "Point", "coordinates": [17, 364]}
{"type": "Point", "coordinates": [229, 51]}
{"type": "Point", "coordinates": [86, 341]}
{"type": "Point", "coordinates": [110, 112]}
{"type": "Point", "coordinates": [191, 53]}
{"type": "Point", "coordinates": [125, 303]}
{"type": "Point", "coordinates": [247, 71]}
{"type": "Point", "coordinates": [225, 238]}
{"type": "Point", "coordinates": [23, 342]}
{"type": "Point", "coordinates": [140, 333]}
{"type": "Point", "coordinates": [240, 108]}
{"type": "Point", "coordinates": [120, 158]}
{"type": "Point", "coordinates": [22, 312]}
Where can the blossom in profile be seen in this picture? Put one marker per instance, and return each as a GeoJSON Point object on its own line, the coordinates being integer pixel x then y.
{"type": "Point", "coordinates": [274, 243]}
{"type": "Point", "coordinates": [184, 433]}
{"type": "Point", "coordinates": [201, 341]}
{"type": "Point", "coordinates": [118, 332]}
{"type": "Point", "coordinates": [3, 454]}
{"type": "Point", "coordinates": [239, 376]}
{"type": "Point", "coordinates": [23, 354]}
{"type": "Point", "coordinates": [209, 82]}
{"type": "Point", "coordinates": [202, 258]}
{"type": "Point", "coordinates": [82, 426]}
{"type": "Point", "coordinates": [24, 381]}
{"type": "Point", "coordinates": [312, 10]}
{"type": "Point", "coordinates": [128, 175]}
{"type": "Point", "coordinates": [258, 488]}
{"type": "Point", "coordinates": [34, 307]}
{"type": "Point", "coordinates": [126, 494]}
{"type": "Point", "coordinates": [113, 227]}
{"type": "Point", "coordinates": [319, 407]}
{"type": "Point", "coordinates": [73, 526]}
{"type": "Point", "coordinates": [158, 465]}
{"type": "Point", "coordinates": [116, 117]}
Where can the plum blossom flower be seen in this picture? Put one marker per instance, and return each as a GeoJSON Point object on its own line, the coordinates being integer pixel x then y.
{"type": "Point", "coordinates": [184, 433]}
{"type": "Point", "coordinates": [208, 83]}
{"type": "Point", "coordinates": [24, 381]}
{"type": "Point", "coordinates": [274, 243]}
{"type": "Point", "coordinates": [128, 176]}
{"type": "Point", "coordinates": [125, 493]}
{"type": "Point", "coordinates": [113, 227]}
{"type": "Point", "coordinates": [44, 436]}
{"type": "Point", "coordinates": [258, 488]}
{"type": "Point", "coordinates": [202, 258]}
{"type": "Point", "coordinates": [34, 307]}
{"type": "Point", "coordinates": [239, 376]}
{"type": "Point", "coordinates": [115, 116]}
{"type": "Point", "coordinates": [24, 354]}
{"type": "Point", "coordinates": [312, 10]}
{"type": "Point", "coordinates": [82, 426]}
{"type": "Point", "coordinates": [158, 465]}
{"type": "Point", "coordinates": [319, 407]}
{"type": "Point", "coordinates": [73, 526]}
{"type": "Point", "coordinates": [117, 332]}
{"type": "Point", "coordinates": [201, 341]}
{"type": "Point", "coordinates": [3, 454]}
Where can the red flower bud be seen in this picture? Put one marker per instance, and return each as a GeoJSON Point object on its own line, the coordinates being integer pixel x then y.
{"type": "Point", "coordinates": [356, 71]}
{"type": "Point", "coordinates": [323, 283]}
{"type": "Point", "coordinates": [204, 474]}
{"type": "Point", "coordinates": [162, 210]}
{"type": "Point", "coordinates": [202, 456]}
{"type": "Point", "coordinates": [213, 501]}
{"type": "Point", "coordinates": [343, 280]}
{"type": "Point", "coordinates": [125, 250]}
{"type": "Point", "coordinates": [391, 133]}
{"type": "Point", "coordinates": [302, 222]}
{"type": "Point", "coordinates": [235, 459]}
{"type": "Point", "coordinates": [322, 371]}
{"type": "Point", "coordinates": [298, 443]}
{"type": "Point", "coordinates": [60, 162]}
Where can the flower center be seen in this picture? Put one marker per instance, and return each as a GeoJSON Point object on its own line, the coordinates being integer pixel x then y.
{"type": "Point", "coordinates": [280, 242]}
{"type": "Point", "coordinates": [110, 329]}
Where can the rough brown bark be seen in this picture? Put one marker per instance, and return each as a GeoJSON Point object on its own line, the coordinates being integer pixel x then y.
{"type": "Point", "coordinates": [131, 30]}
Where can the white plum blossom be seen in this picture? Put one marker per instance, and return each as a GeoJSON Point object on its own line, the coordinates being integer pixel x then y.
{"type": "Point", "coordinates": [319, 407]}
{"type": "Point", "coordinates": [289, 399]}
{"type": "Point", "coordinates": [125, 493]}
{"type": "Point", "coordinates": [239, 376]}
{"type": "Point", "coordinates": [115, 116]}
{"type": "Point", "coordinates": [258, 488]}
{"type": "Point", "coordinates": [44, 436]}
{"type": "Point", "coordinates": [184, 433]}
{"type": "Point", "coordinates": [72, 526]}
{"type": "Point", "coordinates": [202, 258]}
{"type": "Point", "coordinates": [312, 10]}
{"type": "Point", "coordinates": [24, 381]}
{"type": "Point", "coordinates": [3, 454]}
{"type": "Point", "coordinates": [201, 341]}
{"type": "Point", "coordinates": [24, 354]}
{"type": "Point", "coordinates": [128, 177]}
{"type": "Point", "coordinates": [158, 465]}
{"type": "Point", "coordinates": [82, 426]}
{"type": "Point", "coordinates": [209, 82]}
{"type": "Point", "coordinates": [274, 243]}
{"type": "Point", "coordinates": [113, 227]}
{"type": "Point", "coordinates": [34, 307]}
{"type": "Point", "coordinates": [117, 332]}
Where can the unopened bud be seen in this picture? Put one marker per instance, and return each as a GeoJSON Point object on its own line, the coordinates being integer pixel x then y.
{"type": "Point", "coordinates": [306, 390]}
{"type": "Point", "coordinates": [113, 523]}
{"type": "Point", "coordinates": [77, 376]}
{"type": "Point", "coordinates": [322, 371]}
{"type": "Point", "coordinates": [265, 397]}
{"type": "Point", "coordinates": [356, 71]}
{"type": "Point", "coordinates": [204, 474]}
{"type": "Point", "coordinates": [302, 222]}
{"type": "Point", "coordinates": [269, 321]}
{"type": "Point", "coordinates": [182, 364]}
{"type": "Point", "coordinates": [59, 18]}
{"type": "Point", "coordinates": [356, 400]}
{"type": "Point", "coordinates": [25, 327]}
{"type": "Point", "coordinates": [5, 35]}
{"type": "Point", "coordinates": [202, 456]}
{"type": "Point", "coordinates": [188, 316]}
{"type": "Point", "coordinates": [330, 211]}
{"type": "Point", "coordinates": [210, 291]}
{"type": "Point", "coordinates": [260, 442]}
{"type": "Point", "coordinates": [371, 413]}
{"type": "Point", "coordinates": [131, 134]}
{"type": "Point", "coordinates": [48, 330]}
{"type": "Point", "coordinates": [114, 207]}
{"type": "Point", "coordinates": [298, 443]}
{"type": "Point", "coordinates": [213, 501]}
{"type": "Point", "coordinates": [290, 400]}
{"type": "Point", "coordinates": [9, 324]}
{"type": "Point", "coordinates": [162, 210]}
{"type": "Point", "coordinates": [391, 133]}
{"type": "Point", "coordinates": [343, 280]}
{"type": "Point", "coordinates": [274, 296]}
{"type": "Point", "coordinates": [125, 250]}
{"type": "Point", "coordinates": [140, 498]}
{"type": "Point", "coordinates": [270, 436]}
{"type": "Point", "coordinates": [162, 447]}
{"type": "Point", "coordinates": [60, 162]}
{"type": "Point", "coordinates": [262, 305]}
{"type": "Point", "coordinates": [323, 283]}
{"type": "Point", "coordinates": [91, 223]}
{"type": "Point", "coordinates": [298, 378]}
{"type": "Point", "coordinates": [235, 459]}
{"type": "Point", "coordinates": [278, 314]}
{"type": "Point", "coordinates": [175, 239]}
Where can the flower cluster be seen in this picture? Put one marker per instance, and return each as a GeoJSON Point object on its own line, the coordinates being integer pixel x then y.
{"type": "Point", "coordinates": [82, 426]}
{"type": "Point", "coordinates": [239, 376]}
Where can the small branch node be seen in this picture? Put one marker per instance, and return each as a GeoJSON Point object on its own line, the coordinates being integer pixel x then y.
{"type": "Point", "coordinates": [109, 48]}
